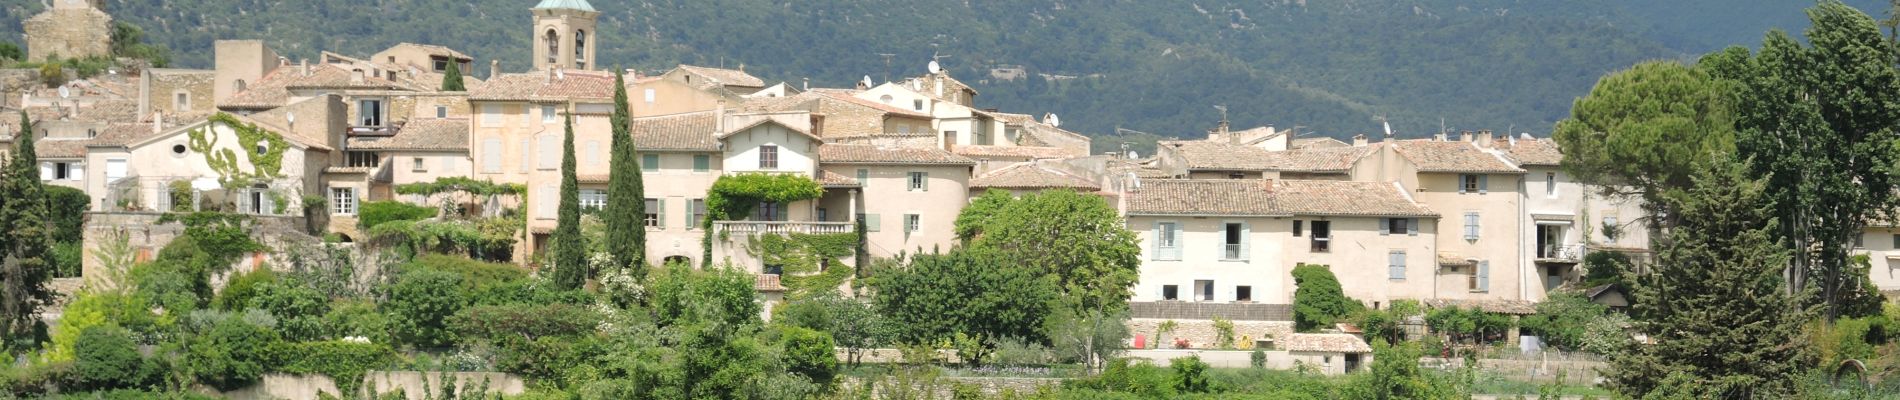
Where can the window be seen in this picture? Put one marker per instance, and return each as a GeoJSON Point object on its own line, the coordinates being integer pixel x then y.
{"type": "Point", "coordinates": [547, 114]}
{"type": "Point", "coordinates": [1397, 226]}
{"type": "Point", "coordinates": [550, 148]}
{"type": "Point", "coordinates": [1234, 245]}
{"type": "Point", "coordinates": [593, 199]}
{"type": "Point", "coordinates": [768, 157]}
{"type": "Point", "coordinates": [1297, 224]}
{"type": "Point", "coordinates": [1322, 236]}
{"type": "Point", "coordinates": [702, 163]}
{"type": "Point", "coordinates": [1550, 184]}
{"type": "Point", "coordinates": [343, 201]}
{"type": "Point", "coordinates": [919, 181]}
{"type": "Point", "coordinates": [262, 147]}
{"type": "Point", "coordinates": [1243, 293]}
{"type": "Point", "coordinates": [1481, 281]}
{"type": "Point", "coordinates": [491, 115]}
{"type": "Point", "coordinates": [1896, 238]}
{"type": "Point", "coordinates": [527, 155]}
{"type": "Point", "coordinates": [653, 213]}
{"type": "Point", "coordinates": [767, 211]}
{"type": "Point", "coordinates": [554, 46]}
{"type": "Point", "coordinates": [56, 171]}
{"type": "Point", "coordinates": [441, 111]}
{"type": "Point", "coordinates": [362, 159]}
{"type": "Point", "coordinates": [1469, 183]}
{"type": "Point", "coordinates": [1236, 175]}
{"type": "Point", "coordinates": [864, 177]}
{"type": "Point", "coordinates": [1611, 228]}
{"type": "Point", "coordinates": [697, 213]}
{"type": "Point", "coordinates": [917, 104]}
{"type": "Point", "coordinates": [181, 101]}
{"type": "Point", "coordinates": [912, 223]}
{"type": "Point", "coordinates": [1859, 240]}
{"type": "Point", "coordinates": [950, 138]}
{"type": "Point", "coordinates": [369, 112]}
{"type": "Point", "coordinates": [822, 215]}
{"type": "Point", "coordinates": [1170, 292]}
{"type": "Point", "coordinates": [1167, 237]}
{"type": "Point", "coordinates": [580, 49]}
{"type": "Point", "coordinates": [178, 149]}
{"type": "Point", "coordinates": [872, 222]}
{"type": "Point", "coordinates": [1203, 290]}
{"type": "Point", "coordinates": [1395, 264]}
{"type": "Point", "coordinates": [649, 96]}
{"type": "Point", "coordinates": [491, 155]}
{"type": "Point", "coordinates": [439, 64]}
{"type": "Point", "coordinates": [115, 169]}
{"type": "Point", "coordinates": [1471, 225]}
{"type": "Point", "coordinates": [650, 162]}
{"type": "Point", "coordinates": [417, 165]}
{"type": "Point", "coordinates": [886, 99]}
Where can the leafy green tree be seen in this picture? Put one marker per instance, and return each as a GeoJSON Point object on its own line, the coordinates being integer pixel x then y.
{"type": "Point", "coordinates": [452, 78]}
{"type": "Point", "coordinates": [570, 251]}
{"type": "Point", "coordinates": [231, 353]}
{"type": "Point", "coordinates": [419, 306]}
{"type": "Point", "coordinates": [1562, 319]}
{"type": "Point", "coordinates": [1395, 373]}
{"type": "Point", "coordinates": [626, 194]}
{"type": "Point", "coordinates": [809, 353]}
{"type": "Point", "coordinates": [1318, 300]}
{"type": "Point", "coordinates": [1641, 129]}
{"type": "Point", "coordinates": [1078, 239]}
{"type": "Point", "coordinates": [1818, 121]}
{"type": "Point", "coordinates": [852, 323]}
{"type": "Point", "coordinates": [25, 251]}
{"type": "Point", "coordinates": [298, 307]}
{"type": "Point", "coordinates": [373, 213]}
{"type": "Point", "coordinates": [106, 357]}
{"type": "Point", "coordinates": [1606, 267]}
{"type": "Point", "coordinates": [970, 291]}
{"type": "Point", "coordinates": [1091, 337]}
{"type": "Point", "coordinates": [970, 221]}
{"type": "Point", "coordinates": [10, 51]}
{"type": "Point", "coordinates": [1714, 305]}
{"type": "Point", "coordinates": [67, 209]}
{"type": "Point", "coordinates": [239, 290]}
{"type": "Point", "coordinates": [128, 41]}
{"type": "Point", "coordinates": [1190, 374]}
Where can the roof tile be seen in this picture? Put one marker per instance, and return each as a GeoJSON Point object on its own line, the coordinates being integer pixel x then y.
{"type": "Point", "coordinates": [679, 132]}
{"type": "Point", "coordinates": [1300, 197]}
{"type": "Point", "coordinates": [447, 134]}
{"type": "Point", "coordinates": [1031, 175]}
{"type": "Point", "coordinates": [873, 154]}
{"type": "Point", "coordinates": [1453, 156]}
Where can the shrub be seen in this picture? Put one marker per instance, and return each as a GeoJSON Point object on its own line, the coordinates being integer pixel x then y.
{"type": "Point", "coordinates": [106, 357]}
{"type": "Point", "coordinates": [474, 274]}
{"type": "Point", "coordinates": [67, 208]}
{"type": "Point", "coordinates": [524, 321]}
{"type": "Point", "coordinates": [809, 353]}
{"type": "Point", "coordinates": [344, 362]}
{"type": "Point", "coordinates": [1224, 332]}
{"type": "Point", "coordinates": [239, 290]}
{"type": "Point", "coordinates": [1605, 267]}
{"type": "Point", "coordinates": [1141, 379]}
{"type": "Point", "coordinates": [233, 353]}
{"type": "Point", "coordinates": [298, 308]}
{"type": "Point", "coordinates": [1190, 374]}
{"type": "Point", "coordinates": [1318, 301]}
{"type": "Point", "coordinates": [375, 213]}
{"type": "Point", "coordinates": [68, 259]}
{"type": "Point", "coordinates": [419, 306]}
{"type": "Point", "coordinates": [1563, 317]}
{"type": "Point", "coordinates": [356, 318]}
{"type": "Point", "coordinates": [1258, 359]}
{"type": "Point", "coordinates": [180, 192]}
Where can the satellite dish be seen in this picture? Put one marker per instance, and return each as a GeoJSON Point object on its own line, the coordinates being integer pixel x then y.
{"type": "Point", "coordinates": [1133, 155]}
{"type": "Point", "coordinates": [64, 92]}
{"type": "Point", "coordinates": [1053, 120]}
{"type": "Point", "coordinates": [867, 81]}
{"type": "Point", "coordinates": [290, 117]}
{"type": "Point", "coordinates": [934, 67]}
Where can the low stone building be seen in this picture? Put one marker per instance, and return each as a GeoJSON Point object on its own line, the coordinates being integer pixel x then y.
{"type": "Point", "coordinates": [70, 29]}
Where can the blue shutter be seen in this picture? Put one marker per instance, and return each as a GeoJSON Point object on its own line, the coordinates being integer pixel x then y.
{"type": "Point", "coordinates": [872, 223]}
{"type": "Point", "coordinates": [1385, 226]}
{"type": "Point", "coordinates": [1154, 241]}
{"type": "Point", "coordinates": [1412, 225]}
{"type": "Point", "coordinates": [1484, 184]}
{"type": "Point", "coordinates": [1461, 183]}
{"type": "Point", "coordinates": [1484, 276]}
{"type": "Point", "coordinates": [661, 203]}
{"type": "Point", "coordinates": [1396, 264]}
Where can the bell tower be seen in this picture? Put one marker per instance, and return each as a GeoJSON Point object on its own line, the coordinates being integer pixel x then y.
{"type": "Point", "coordinates": [564, 34]}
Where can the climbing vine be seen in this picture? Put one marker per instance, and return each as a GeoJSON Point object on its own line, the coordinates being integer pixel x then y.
{"type": "Point", "coordinates": [734, 196]}
{"type": "Point", "coordinates": [809, 263]}
{"type": "Point", "coordinates": [225, 161]}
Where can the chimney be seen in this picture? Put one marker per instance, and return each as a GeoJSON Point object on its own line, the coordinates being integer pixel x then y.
{"type": "Point", "coordinates": [1464, 136]}
{"type": "Point", "coordinates": [549, 78]}
{"type": "Point", "coordinates": [356, 76]}
{"type": "Point", "coordinates": [1485, 137]}
{"type": "Point", "coordinates": [158, 122]}
{"type": "Point", "coordinates": [806, 86]}
{"type": "Point", "coordinates": [719, 115]}
{"type": "Point", "coordinates": [494, 69]}
{"type": "Point", "coordinates": [303, 66]}
{"type": "Point", "coordinates": [1359, 140]}
{"type": "Point", "coordinates": [1439, 137]}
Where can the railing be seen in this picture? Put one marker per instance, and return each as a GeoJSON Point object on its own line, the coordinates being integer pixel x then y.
{"type": "Point", "coordinates": [1560, 252]}
{"type": "Point", "coordinates": [372, 131]}
{"type": "Point", "coordinates": [775, 227]}
{"type": "Point", "coordinates": [1233, 252]}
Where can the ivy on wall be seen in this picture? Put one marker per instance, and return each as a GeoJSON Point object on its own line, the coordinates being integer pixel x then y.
{"type": "Point", "coordinates": [734, 196]}
{"type": "Point", "coordinates": [809, 263]}
{"type": "Point", "coordinates": [269, 165]}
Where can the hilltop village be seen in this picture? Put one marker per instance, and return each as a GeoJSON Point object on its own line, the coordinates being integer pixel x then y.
{"type": "Point", "coordinates": [377, 162]}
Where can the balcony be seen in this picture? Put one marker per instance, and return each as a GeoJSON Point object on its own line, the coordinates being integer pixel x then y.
{"type": "Point", "coordinates": [1553, 253]}
{"type": "Point", "coordinates": [781, 227]}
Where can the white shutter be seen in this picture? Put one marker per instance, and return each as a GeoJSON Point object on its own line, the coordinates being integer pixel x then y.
{"type": "Point", "coordinates": [1246, 241]}
{"type": "Point", "coordinates": [1484, 276]}
{"type": "Point", "coordinates": [1154, 242]}
{"type": "Point", "coordinates": [46, 171]}
{"type": "Point", "coordinates": [550, 149]}
{"type": "Point", "coordinates": [546, 202]}
{"type": "Point", "coordinates": [593, 152]}
{"type": "Point", "coordinates": [115, 169]}
{"type": "Point", "coordinates": [491, 155]}
{"type": "Point", "coordinates": [1385, 226]}
{"type": "Point", "coordinates": [527, 155]}
{"type": "Point", "coordinates": [1412, 226]}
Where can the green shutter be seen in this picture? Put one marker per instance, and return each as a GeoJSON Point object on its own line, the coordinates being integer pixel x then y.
{"type": "Point", "coordinates": [1412, 225]}
{"type": "Point", "coordinates": [1484, 276]}
{"type": "Point", "coordinates": [872, 223]}
{"type": "Point", "coordinates": [1484, 184]}
{"type": "Point", "coordinates": [1385, 226]}
{"type": "Point", "coordinates": [702, 163]}
{"type": "Point", "coordinates": [926, 180]}
{"type": "Point", "coordinates": [661, 203]}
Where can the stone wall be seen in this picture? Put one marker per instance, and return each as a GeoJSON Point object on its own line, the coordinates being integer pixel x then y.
{"type": "Point", "coordinates": [165, 85]}
{"type": "Point", "coordinates": [412, 383]}
{"type": "Point", "coordinates": [1206, 310]}
{"type": "Point", "coordinates": [147, 236]}
{"type": "Point", "coordinates": [68, 32]}
{"type": "Point", "coordinates": [1201, 334]}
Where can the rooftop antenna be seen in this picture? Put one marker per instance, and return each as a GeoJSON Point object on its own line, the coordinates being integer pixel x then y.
{"type": "Point", "coordinates": [1223, 113]}
{"type": "Point", "coordinates": [887, 65]}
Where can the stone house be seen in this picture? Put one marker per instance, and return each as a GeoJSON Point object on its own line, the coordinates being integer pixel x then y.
{"type": "Point", "coordinates": [69, 29]}
{"type": "Point", "coordinates": [909, 197]}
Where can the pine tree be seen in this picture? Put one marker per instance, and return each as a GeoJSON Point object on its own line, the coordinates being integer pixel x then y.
{"type": "Point", "coordinates": [626, 209]}
{"type": "Point", "coordinates": [452, 79]}
{"type": "Point", "coordinates": [570, 255]}
{"type": "Point", "coordinates": [24, 264]}
{"type": "Point", "coordinates": [1714, 304]}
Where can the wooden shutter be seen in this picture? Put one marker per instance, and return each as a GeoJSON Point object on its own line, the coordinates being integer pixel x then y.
{"type": "Point", "coordinates": [547, 201]}
{"type": "Point", "coordinates": [1154, 242]}
{"type": "Point", "coordinates": [593, 152]}
{"type": "Point", "coordinates": [1484, 184]}
{"type": "Point", "coordinates": [1484, 276]}
{"type": "Point", "coordinates": [926, 180]}
{"type": "Point", "coordinates": [1412, 226]}
{"type": "Point", "coordinates": [1385, 226]}
{"type": "Point", "coordinates": [872, 223]}
{"type": "Point", "coordinates": [661, 204]}
{"type": "Point", "coordinates": [1396, 263]}
{"type": "Point", "coordinates": [1461, 183]}
{"type": "Point", "coordinates": [1246, 241]}
{"type": "Point", "coordinates": [491, 155]}
{"type": "Point", "coordinates": [550, 148]}
{"type": "Point", "coordinates": [46, 171]}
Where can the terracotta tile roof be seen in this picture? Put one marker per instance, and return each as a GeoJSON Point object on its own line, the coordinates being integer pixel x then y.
{"type": "Point", "coordinates": [121, 134]}
{"type": "Point", "coordinates": [849, 97]}
{"type": "Point", "coordinates": [1541, 152]}
{"type": "Point", "coordinates": [61, 147]}
{"type": "Point", "coordinates": [1453, 259]}
{"type": "Point", "coordinates": [1044, 133]}
{"type": "Point", "coordinates": [679, 132]}
{"type": "Point", "coordinates": [767, 283]}
{"type": "Point", "coordinates": [1333, 159]}
{"type": "Point", "coordinates": [540, 86]}
{"type": "Point", "coordinates": [873, 154]}
{"type": "Point", "coordinates": [1014, 119]}
{"type": "Point", "coordinates": [1023, 152]}
{"type": "Point", "coordinates": [1324, 343]}
{"type": "Point", "coordinates": [1248, 197]}
{"type": "Point", "coordinates": [1344, 198]}
{"type": "Point", "coordinates": [349, 170]}
{"type": "Point", "coordinates": [773, 104]}
{"type": "Point", "coordinates": [834, 180]}
{"type": "Point", "coordinates": [110, 111]}
{"type": "Point", "coordinates": [434, 50]}
{"type": "Point", "coordinates": [1501, 306]}
{"type": "Point", "coordinates": [1206, 155]}
{"type": "Point", "coordinates": [273, 90]}
{"type": "Point", "coordinates": [1317, 143]}
{"type": "Point", "coordinates": [1453, 156]}
{"type": "Point", "coordinates": [728, 77]}
{"type": "Point", "coordinates": [591, 178]}
{"type": "Point", "coordinates": [420, 134]}
{"type": "Point", "coordinates": [1031, 175]}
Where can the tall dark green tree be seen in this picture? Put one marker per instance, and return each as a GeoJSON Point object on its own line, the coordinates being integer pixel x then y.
{"type": "Point", "coordinates": [570, 252]}
{"type": "Point", "coordinates": [1819, 122]}
{"type": "Point", "coordinates": [25, 259]}
{"type": "Point", "coordinates": [626, 195]}
{"type": "Point", "coordinates": [452, 79]}
{"type": "Point", "coordinates": [1714, 306]}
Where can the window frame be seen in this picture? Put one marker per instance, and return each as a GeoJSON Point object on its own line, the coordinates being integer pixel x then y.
{"type": "Point", "coordinates": [343, 201]}
{"type": "Point", "coordinates": [652, 210]}
{"type": "Point", "coordinates": [1322, 237]}
{"type": "Point", "coordinates": [768, 156]}
{"type": "Point", "coordinates": [702, 163]}
{"type": "Point", "coordinates": [650, 162]}
{"type": "Point", "coordinates": [917, 181]}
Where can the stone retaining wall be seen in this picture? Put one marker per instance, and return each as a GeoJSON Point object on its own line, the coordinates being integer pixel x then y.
{"type": "Point", "coordinates": [1201, 333]}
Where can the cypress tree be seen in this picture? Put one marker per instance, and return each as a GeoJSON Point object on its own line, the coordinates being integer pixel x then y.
{"type": "Point", "coordinates": [24, 265]}
{"type": "Point", "coordinates": [570, 254]}
{"type": "Point", "coordinates": [452, 79]}
{"type": "Point", "coordinates": [1715, 306]}
{"type": "Point", "coordinates": [626, 209]}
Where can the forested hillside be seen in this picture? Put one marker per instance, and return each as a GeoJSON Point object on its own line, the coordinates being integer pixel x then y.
{"type": "Point", "coordinates": [1332, 67]}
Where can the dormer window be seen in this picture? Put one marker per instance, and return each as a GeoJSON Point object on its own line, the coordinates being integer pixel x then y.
{"type": "Point", "coordinates": [439, 63]}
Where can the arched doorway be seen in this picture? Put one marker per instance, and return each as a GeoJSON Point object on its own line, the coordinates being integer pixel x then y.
{"type": "Point", "coordinates": [681, 260]}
